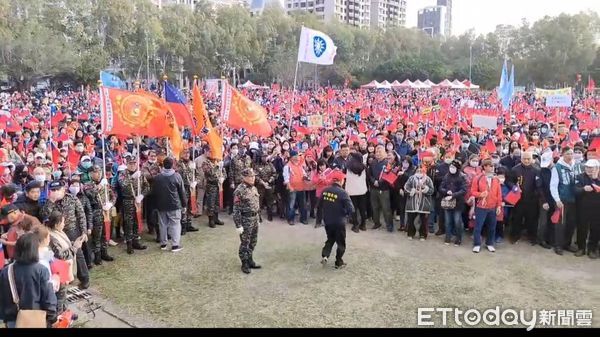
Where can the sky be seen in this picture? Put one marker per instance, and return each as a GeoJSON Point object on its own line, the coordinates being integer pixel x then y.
{"type": "Point", "coordinates": [484, 15]}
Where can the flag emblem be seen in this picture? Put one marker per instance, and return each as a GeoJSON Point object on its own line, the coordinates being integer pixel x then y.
{"type": "Point", "coordinates": [319, 46]}
{"type": "Point", "coordinates": [135, 111]}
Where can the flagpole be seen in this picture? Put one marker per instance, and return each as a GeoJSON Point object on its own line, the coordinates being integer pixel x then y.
{"type": "Point", "coordinates": [102, 121]}
{"type": "Point", "coordinates": [293, 96]}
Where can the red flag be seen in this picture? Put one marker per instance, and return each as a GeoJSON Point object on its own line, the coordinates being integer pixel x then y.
{"type": "Point", "coordinates": [240, 112]}
{"type": "Point", "coordinates": [574, 136]}
{"type": "Point", "coordinates": [203, 123]}
{"type": "Point", "coordinates": [73, 159]}
{"type": "Point", "coordinates": [490, 146]}
{"type": "Point", "coordinates": [591, 84]}
{"type": "Point", "coordinates": [513, 196]}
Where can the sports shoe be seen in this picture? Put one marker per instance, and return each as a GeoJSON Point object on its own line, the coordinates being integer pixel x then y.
{"type": "Point", "coordinates": [476, 249]}
{"type": "Point", "coordinates": [397, 218]}
{"type": "Point", "coordinates": [340, 266]}
{"type": "Point", "coordinates": [176, 249]}
{"type": "Point", "coordinates": [112, 243]}
{"type": "Point", "coordinates": [447, 242]}
{"type": "Point", "coordinates": [491, 249]}
{"type": "Point", "coordinates": [324, 261]}
{"type": "Point", "coordinates": [163, 247]}
{"type": "Point", "coordinates": [457, 243]}
{"type": "Point", "coordinates": [410, 238]}
{"type": "Point", "coordinates": [422, 238]}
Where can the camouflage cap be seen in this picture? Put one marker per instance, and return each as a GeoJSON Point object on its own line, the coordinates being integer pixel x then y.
{"type": "Point", "coordinates": [248, 172]}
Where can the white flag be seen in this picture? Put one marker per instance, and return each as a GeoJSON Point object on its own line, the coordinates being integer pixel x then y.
{"type": "Point", "coordinates": [315, 47]}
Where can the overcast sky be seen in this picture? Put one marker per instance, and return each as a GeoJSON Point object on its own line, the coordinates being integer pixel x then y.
{"type": "Point", "coordinates": [484, 15]}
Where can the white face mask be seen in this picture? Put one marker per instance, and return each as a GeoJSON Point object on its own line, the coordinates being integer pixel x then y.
{"type": "Point", "coordinates": [453, 170]}
{"type": "Point", "coordinates": [505, 151]}
{"type": "Point", "coordinates": [474, 163]}
{"type": "Point", "coordinates": [41, 178]}
{"type": "Point", "coordinates": [74, 189]}
{"type": "Point", "coordinates": [448, 161]}
{"type": "Point", "coordinates": [152, 161]}
{"type": "Point", "coordinates": [578, 156]}
{"type": "Point", "coordinates": [502, 180]}
{"type": "Point", "coordinates": [234, 152]}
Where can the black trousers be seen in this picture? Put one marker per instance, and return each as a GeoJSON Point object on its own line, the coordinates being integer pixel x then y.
{"type": "Point", "coordinates": [360, 206]}
{"type": "Point", "coordinates": [583, 229]}
{"type": "Point", "coordinates": [150, 212]}
{"type": "Point", "coordinates": [565, 229]}
{"type": "Point", "coordinates": [594, 239]}
{"type": "Point", "coordinates": [525, 216]}
{"type": "Point", "coordinates": [369, 206]}
{"type": "Point", "coordinates": [83, 274]}
{"type": "Point", "coordinates": [412, 230]}
{"type": "Point", "coordinates": [312, 198]}
{"type": "Point", "coordinates": [335, 234]}
{"type": "Point", "coordinates": [86, 249]}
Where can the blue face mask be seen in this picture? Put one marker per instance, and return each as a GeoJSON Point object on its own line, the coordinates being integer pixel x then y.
{"type": "Point", "coordinates": [86, 164]}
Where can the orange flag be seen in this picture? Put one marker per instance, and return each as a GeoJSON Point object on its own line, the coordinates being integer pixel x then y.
{"type": "Point", "coordinates": [204, 126]}
{"type": "Point", "coordinates": [140, 113]}
{"type": "Point", "coordinates": [199, 110]}
{"type": "Point", "coordinates": [240, 112]}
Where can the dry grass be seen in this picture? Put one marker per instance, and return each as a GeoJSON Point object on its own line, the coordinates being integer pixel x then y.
{"type": "Point", "coordinates": [388, 277]}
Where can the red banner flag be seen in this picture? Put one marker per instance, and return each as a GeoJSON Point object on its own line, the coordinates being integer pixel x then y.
{"type": "Point", "coordinates": [240, 112]}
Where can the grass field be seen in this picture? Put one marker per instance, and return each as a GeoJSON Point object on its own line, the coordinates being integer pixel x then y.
{"type": "Point", "coordinates": [387, 278]}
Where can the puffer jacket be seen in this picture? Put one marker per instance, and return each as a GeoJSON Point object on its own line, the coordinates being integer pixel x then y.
{"type": "Point", "coordinates": [420, 202]}
{"type": "Point", "coordinates": [457, 184]}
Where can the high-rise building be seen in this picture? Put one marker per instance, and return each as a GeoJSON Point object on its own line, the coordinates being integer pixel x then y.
{"type": "Point", "coordinates": [359, 13]}
{"type": "Point", "coordinates": [161, 3]}
{"type": "Point", "coordinates": [448, 5]}
{"type": "Point", "coordinates": [432, 20]}
{"type": "Point", "coordinates": [258, 6]}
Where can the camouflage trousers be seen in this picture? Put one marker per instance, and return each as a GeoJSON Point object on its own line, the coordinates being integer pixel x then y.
{"type": "Point", "coordinates": [98, 238]}
{"type": "Point", "coordinates": [130, 223]}
{"type": "Point", "coordinates": [186, 218]}
{"type": "Point", "coordinates": [266, 197]}
{"type": "Point", "coordinates": [212, 199]}
{"type": "Point", "coordinates": [248, 238]}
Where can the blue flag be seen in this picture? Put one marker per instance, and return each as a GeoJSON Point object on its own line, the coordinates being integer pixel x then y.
{"type": "Point", "coordinates": [111, 80]}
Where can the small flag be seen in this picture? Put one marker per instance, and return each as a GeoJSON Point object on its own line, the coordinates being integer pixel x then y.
{"type": "Point", "coordinates": [316, 47]}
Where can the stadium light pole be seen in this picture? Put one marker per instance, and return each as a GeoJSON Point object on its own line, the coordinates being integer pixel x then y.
{"type": "Point", "coordinates": [470, 63]}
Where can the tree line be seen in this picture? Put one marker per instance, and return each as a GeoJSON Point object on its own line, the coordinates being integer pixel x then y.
{"type": "Point", "coordinates": [72, 40]}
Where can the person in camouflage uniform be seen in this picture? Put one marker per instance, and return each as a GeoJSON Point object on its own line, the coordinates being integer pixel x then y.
{"type": "Point", "coordinates": [96, 191]}
{"type": "Point", "coordinates": [75, 223]}
{"type": "Point", "coordinates": [239, 162]}
{"type": "Point", "coordinates": [151, 169]}
{"type": "Point", "coordinates": [246, 206]}
{"type": "Point", "coordinates": [213, 175]}
{"type": "Point", "coordinates": [128, 186]}
{"type": "Point", "coordinates": [186, 169]}
{"type": "Point", "coordinates": [76, 189]}
{"type": "Point", "coordinates": [265, 178]}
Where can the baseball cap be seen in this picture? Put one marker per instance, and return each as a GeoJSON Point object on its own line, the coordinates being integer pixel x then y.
{"type": "Point", "coordinates": [248, 172]}
{"type": "Point", "coordinates": [6, 210]}
{"type": "Point", "coordinates": [337, 175]}
{"type": "Point", "coordinates": [32, 184]}
{"type": "Point", "coordinates": [56, 185]}
{"type": "Point", "coordinates": [84, 158]}
{"type": "Point", "coordinates": [592, 163]}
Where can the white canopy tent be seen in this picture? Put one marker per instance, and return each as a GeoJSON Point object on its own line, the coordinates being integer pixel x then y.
{"type": "Point", "coordinates": [371, 85]}
{"type": "Point", "coordinates": [420, 85]}
{"type": "Point", "coordinates": [384, 85]}
{"type": "Point", "coordinates": [250, 85]}
{"type": "Point", "coordinates": [456, 84]}
{"type": "Point", "coordinates": [445, 84]}
{"type": "Point", "coordinates": [429, 83]}
{"type": "Point", "coordinates": [470, 85]}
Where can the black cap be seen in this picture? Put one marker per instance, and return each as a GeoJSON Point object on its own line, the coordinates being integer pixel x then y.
{"type": "Point", "coordinates": [6, 210]}
{"type": "Point", "coordinates": [248, 172]}
{"type": "Point", "coordinates": [32, 184]}
{"type": "Point", "coordinates": [56, 185]}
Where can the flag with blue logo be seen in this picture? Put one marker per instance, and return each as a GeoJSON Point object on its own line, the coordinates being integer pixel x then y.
{"type": "Point", "coordinates": [316, 47]}
{"type": "Point", "coordinates": [503, 80]}
{"type": "Point", "coordinates": [111, 80]}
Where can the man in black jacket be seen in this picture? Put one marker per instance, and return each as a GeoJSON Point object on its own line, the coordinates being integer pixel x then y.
{"type": "Point", "coordinates": [341, 160]}
{"type": "Point", "coordinates": [29, 202]}
{"type": "Point", "coordinates": [545, 226]}
{"type": "Point", "coordinates": [380, 190]}
{"type": "Point", "coordinates": [336, 206]}
{"type": "Point", "coordinates": [525, 212]}
{"type": "Point", "coordinates": [170, 201]}
{"type": "Point", "coordinates": [588, 205]}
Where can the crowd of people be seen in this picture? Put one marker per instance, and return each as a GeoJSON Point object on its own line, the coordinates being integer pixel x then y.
{"type": "Point", "coordinates": [410, 158]}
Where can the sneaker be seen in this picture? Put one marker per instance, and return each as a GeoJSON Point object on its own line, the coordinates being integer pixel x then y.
{"type": "Point", "coordinates": [397, 218]}
{"type": "Point", "coordinates": [476, 249]}
{"type": "Point", "coordinates": [447, 242]}
{"type": "Point", "coordinates": [410, 238]}
{"type": "Point", "coordinates": [176, 249]}
{"type": "Point", "coordinates": [324, 261]}
{"type": "Point", "coordinates": [163, 247]}
{"type": "Point", "coordinates": [422, 238]}
{"type": "Point", "coordinates": [491, 249]}
{"type": "Point", "coordinates": [580, 253]}
{"type": "Point", "coordinates": [112, 243]}
{"type": "Point", "coordinates": [593, 255]}
{"type": "Point", "coordinates": [457, 243]}
{"type": "Point", "coordinates": [340, 266]}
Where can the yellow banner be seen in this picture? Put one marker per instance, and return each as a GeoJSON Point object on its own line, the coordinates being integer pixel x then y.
{"type": "Point", "coordinates": [543, 93]}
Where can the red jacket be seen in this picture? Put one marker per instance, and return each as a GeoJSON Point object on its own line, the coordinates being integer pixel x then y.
{"type": "Point", "coordinates": [494, 198]}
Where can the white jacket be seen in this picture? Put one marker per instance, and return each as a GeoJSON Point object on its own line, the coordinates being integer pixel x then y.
{"type": "Point", "coordinates": [356, 184]}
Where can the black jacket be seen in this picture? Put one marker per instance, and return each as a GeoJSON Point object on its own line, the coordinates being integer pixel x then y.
{"type": "Point", "coordinates": [28, 206]}
{"type": "Point", "coordinates": [340, 163]}
{"type": "Point", "coordinates": [509, 162]}
{"type": "Point", "coordinates": [588, 203]}
{"type": "Point", "coordinates": [456, 183]}
{"type": "Point", "coordinates": [526, 177]}
{"type": "Point", "coordinates": [168, 191]}
{"type": "Point", "coordinates": [35, 292]}
{"type": "Point", "coordinates": [374, 174]}
{"type": "Point", "coordinates": [336, 205]}
{"type": "Point", "coordinates": [544, 187]}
